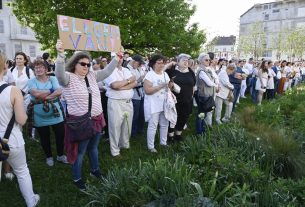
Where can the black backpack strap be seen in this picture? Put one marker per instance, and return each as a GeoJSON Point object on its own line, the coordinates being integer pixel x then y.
{"type": "Point", "coordinates": [12, 121]}
{"type": "Point", "coordinates": [90, 95]}
{"type": "Point", "coordinates": [2, 87]}
{"type": "Point", "coordinates": [27, 71]}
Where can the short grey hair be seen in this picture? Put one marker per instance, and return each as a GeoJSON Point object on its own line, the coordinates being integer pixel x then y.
{"type": "Point", "coordinates": [183, 55]}
{"type": "Point", "coordinates": [202, 57]}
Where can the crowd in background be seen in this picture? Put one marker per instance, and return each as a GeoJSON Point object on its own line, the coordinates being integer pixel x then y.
{"type": "Point", "coordinates": [118, 95]}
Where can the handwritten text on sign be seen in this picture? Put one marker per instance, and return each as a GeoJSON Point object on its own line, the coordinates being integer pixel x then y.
{"type": "Point", "coordinates": [82, 34]}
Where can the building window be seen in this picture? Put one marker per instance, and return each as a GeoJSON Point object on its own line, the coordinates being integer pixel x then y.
{"type": "Point", "coordinates": [266, 16]}
{"type": "Point", "coordinates": [18, 48]}
{"type": "Point", "coordinates": [224, 49]}
{"type": "Point", "coordinates": [32, 51]}
{"type": "Point", "coordinates": [265, 29]}
{"type": "Point", "coordinates": [23, 30]}
{"type": "Point", "coordinates": [216, 50]}
{"type": "Point", "coordinates": [1, 26]}
{"type": "Point", "coordinates": [301, 12]}
{"type": "Point", "coordinates": [2, 48]}
{"type": "Point", "coordinates": [266, 6]}
{"type": "Point", "coordinates": [275, 11]}
{"type": "Point", "coordinates": [232, 49]}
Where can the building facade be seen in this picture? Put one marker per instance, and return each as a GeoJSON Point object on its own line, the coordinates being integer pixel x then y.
{"type": "Point", "coordinates": [276, 17]}
{"type": "Point", "coordinates": [224, 47]}
{"type": "Point", "coordinates": [14, 37]}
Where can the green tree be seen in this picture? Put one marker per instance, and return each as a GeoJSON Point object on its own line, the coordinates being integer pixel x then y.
{"type": "Point", "coordinates": [253, 42]}
{"type": "Point", "coordinates": [295, 43]}
{"type": "Point", "coordinates": [145, 25]}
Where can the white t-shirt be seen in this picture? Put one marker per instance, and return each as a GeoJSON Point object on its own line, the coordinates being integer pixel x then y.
{"type": "Point", "coordinates": [22, 83]}
{"type": "Point", "coordinates": [153, 103]}
{"type": "Point", "coordinates": [118, 75]}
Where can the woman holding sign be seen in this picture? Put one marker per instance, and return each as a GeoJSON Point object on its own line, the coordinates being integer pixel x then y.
{"type": "Point", "coordinates": [84, 109]}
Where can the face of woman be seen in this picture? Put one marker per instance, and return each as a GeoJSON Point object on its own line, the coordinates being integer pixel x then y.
{"type": "Point", "coordinates": [82, 67]}
{"type": "Point", "coordinates": [159, 66]}
{"type": "Point", "coordinates": [20, 61]}
{"type": "Point", "coordinates": [183, 63]}
{"type": "Point", "coordinates": [40, 70]}
{"type": "Point", "coordinates": [206, 62]}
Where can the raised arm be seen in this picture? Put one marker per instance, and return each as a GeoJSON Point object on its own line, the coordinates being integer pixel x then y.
{"type": "Point", "coordinates": [103, 74]}
{"type": "Point", "coordinates": [61, 75]}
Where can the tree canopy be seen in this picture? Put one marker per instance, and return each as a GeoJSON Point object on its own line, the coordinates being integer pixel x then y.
{"type": "Point", "coordinates": [145, 25]}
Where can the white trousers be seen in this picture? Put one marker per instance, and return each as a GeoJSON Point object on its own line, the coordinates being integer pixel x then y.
{"type": "Point", "coordinates": [155, 119]}
{"type": "Point", "coordinates": [17, 160]}
{"type": "Point", "coordinates": [243, 88]}
{"type": "Point", "coordinates": [208, 118]}
{"type": "Point", "coordinates": [119, 126]}
{"type": "Point", "coordinates": [218, 103]}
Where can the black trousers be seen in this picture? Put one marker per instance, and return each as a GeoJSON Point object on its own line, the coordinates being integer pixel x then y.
{"type": "Point", "coordinates": [44, 134]}
{"type": "Point", "coordinates": [183, 113]}
{"type": "Point", "coordinates": [104, 100]}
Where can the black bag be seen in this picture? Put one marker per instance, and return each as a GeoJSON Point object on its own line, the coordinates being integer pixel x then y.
{"type": "Point", "coordinates": [206, 104]}
{"type": "Point", "coordinates": [4, 148]}
{"type": "Point", "coordinates": [79, 128]}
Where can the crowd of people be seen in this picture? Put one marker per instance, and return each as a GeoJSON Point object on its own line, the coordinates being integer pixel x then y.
{"type": "Point", "coordinates": [83, 99]}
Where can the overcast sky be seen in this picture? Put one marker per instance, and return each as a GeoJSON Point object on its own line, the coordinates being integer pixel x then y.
{"type": "Point", "coordinates": [221, 17]}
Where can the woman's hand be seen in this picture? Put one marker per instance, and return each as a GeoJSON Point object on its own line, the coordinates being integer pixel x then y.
{"type": "Point", "coordinates": [59, 47]}
{"type": "Point", "coordinates": [171, 84]}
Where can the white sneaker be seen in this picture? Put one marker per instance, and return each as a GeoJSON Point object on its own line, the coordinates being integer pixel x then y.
{"type": "Point", "coordinates": [153, 150]}
{"type": "Point", "coordinates": [50, 161]}
{"type": "Point", "coordinates": [218, 122]}
{"type": "Point", "coordinates": [225, 120]}
{"type": "Point", "coordinates": [10, 176]}
{"type": "Point", "coordinates": [62, 159]}
{"type": "Point", "coordinates": [37, 199]}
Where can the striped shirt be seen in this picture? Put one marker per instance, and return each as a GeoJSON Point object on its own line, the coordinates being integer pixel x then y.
{"type": "Point", "coordinates": [76, 95]}
{"type": "Point", "coordinates": [75, 89]}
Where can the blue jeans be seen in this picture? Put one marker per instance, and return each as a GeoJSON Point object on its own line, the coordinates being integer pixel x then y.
{"type": "Point", "coordinates": [90, 146]}
{"type": "Point", "coordinates": [138, 117]}
{"type": "Point", "coordinates": [236, 93]}
{"type": "Point", "coordinates": [253, 91]}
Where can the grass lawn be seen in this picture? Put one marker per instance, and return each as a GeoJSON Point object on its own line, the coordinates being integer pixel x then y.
{"type": "Point", "coordinates": [54, 184]}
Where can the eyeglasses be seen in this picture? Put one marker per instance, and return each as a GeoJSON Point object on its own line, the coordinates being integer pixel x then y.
{"type": "Point", "coordinates": [39, 67]}
{"type": "Point", "coordinates": [207, 60]}
{"type": "Point", "coordinates": [85, 64]}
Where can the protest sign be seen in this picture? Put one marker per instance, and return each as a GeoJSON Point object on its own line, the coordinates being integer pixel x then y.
{"type": "Point", "coordinates": [82, 34]}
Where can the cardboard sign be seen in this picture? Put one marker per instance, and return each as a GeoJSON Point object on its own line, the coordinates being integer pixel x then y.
{"type": "Point", "coordinates": [82, 34]}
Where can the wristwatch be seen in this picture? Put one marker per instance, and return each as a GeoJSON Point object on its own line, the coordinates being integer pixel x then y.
{"type": "Point", "coordinates": [128, 81]}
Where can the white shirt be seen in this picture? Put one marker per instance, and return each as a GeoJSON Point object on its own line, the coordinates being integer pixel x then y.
{"type": "Point", "coordinates": [22, 80]}
{"type": "Point", "coordinates": [225, 85]}
{"type": "Point", "coordinates": [118, 75]}
{"type": "Point", "coordinates": [8, 77]}
{"type": "Point", "coordinates": [249, 68]}
{"type": "Point", "coordinates": [270, 83]}
{"type": "Point", "coordinates": [6, 112]}
{"type": "Point", "coordinates": [203, 76]}
{"type": "Point", "coordinates": [153, 103]}
{"type": "Point", "coordinates": [138, 93]}
{"type": "Point", "coordinates": [303, 70]}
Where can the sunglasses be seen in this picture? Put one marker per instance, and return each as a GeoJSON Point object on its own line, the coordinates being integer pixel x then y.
{"type": "Point", "coordinates": [84, 64]}
{"type": "Point", "coordinates": [207, 60]}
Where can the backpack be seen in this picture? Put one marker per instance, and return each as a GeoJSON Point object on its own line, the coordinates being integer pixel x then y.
{"type": "Point", "coordinates": [4, 148]}
{"type": "Point", "coordinates": [27, 71]}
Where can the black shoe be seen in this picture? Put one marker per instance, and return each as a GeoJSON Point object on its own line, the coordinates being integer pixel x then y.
{"type": "Point", "coordinates": [97, 174]}
{"type": "Point", "coordinates": [80, 184]}
{"type": "Point", "coordinates": [178, 138]}
{"type": "Point", "coordinates": [170, 140]}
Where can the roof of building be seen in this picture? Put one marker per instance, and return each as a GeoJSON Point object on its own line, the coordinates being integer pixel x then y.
{"type": "Point", "coordinates": [255, 5]}
{"type": "Point", "coordinates": [226, 40]}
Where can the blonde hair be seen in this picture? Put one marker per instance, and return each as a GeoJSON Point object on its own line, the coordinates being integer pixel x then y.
{"type": "Point", "coordinates": [2, 61]}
